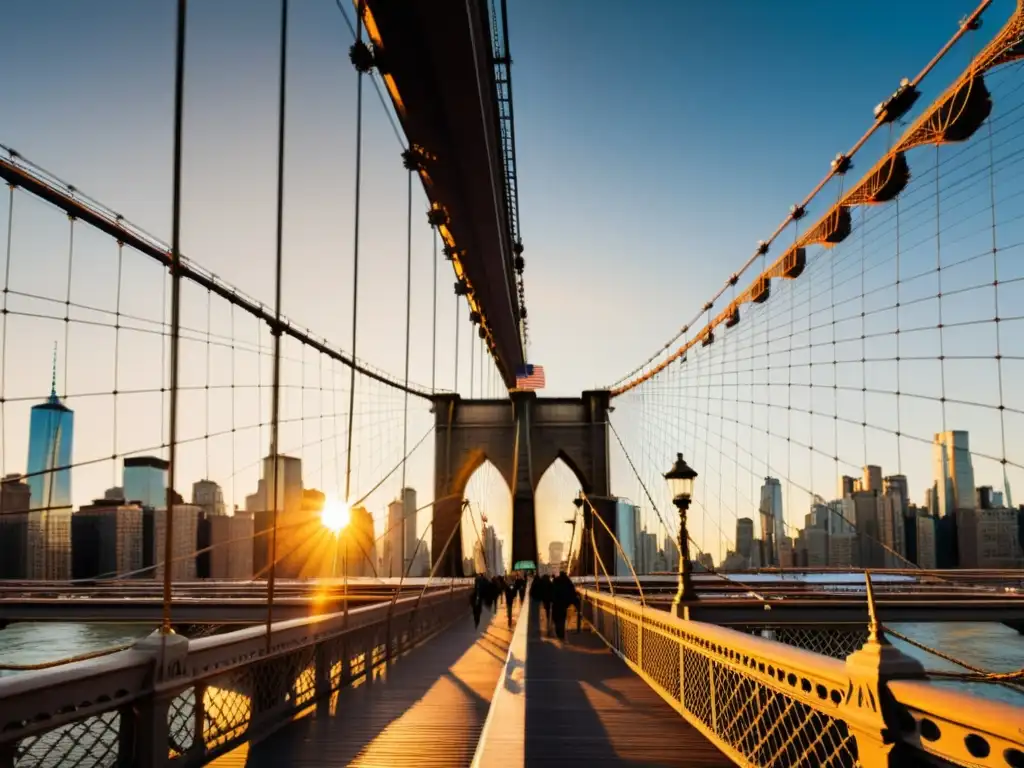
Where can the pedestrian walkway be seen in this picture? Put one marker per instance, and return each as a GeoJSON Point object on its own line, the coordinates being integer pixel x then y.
{"type": "Point", "coordinates": [585, 706]}
{"type": "Point", "coordinates": [426, 708]}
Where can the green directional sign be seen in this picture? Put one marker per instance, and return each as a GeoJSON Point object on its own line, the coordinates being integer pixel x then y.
{"type": "Point", "coordinates": [524, 565]}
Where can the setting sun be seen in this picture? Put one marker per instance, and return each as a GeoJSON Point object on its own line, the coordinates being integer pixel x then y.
{"type": "Point", "coordinates": [335, 515]}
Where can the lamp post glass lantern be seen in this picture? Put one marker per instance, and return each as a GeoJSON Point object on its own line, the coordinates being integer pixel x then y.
{"type": "Point", "coordinates": [680, 483]}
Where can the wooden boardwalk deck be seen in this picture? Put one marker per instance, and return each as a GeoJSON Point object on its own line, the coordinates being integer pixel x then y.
{"type": "Point", "coordinates": [585, 706]}
{"type": "Point", "coordinates": [426, 708]}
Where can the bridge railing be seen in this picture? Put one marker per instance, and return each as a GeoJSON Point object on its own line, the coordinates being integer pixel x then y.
{"type": "Point", "coordinates": [186, 702]}
{"type": "Point", "coordinates": [765, 703]}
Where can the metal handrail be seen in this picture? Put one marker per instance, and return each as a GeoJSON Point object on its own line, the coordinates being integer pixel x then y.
{"type": "Point", "coordinates": [816, 698]}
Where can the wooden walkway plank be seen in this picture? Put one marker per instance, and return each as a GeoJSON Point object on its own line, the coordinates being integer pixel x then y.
{"type": "Point", "coordinates": [585, 706]}
{"type": "Point", "coordinates": [426, 708]}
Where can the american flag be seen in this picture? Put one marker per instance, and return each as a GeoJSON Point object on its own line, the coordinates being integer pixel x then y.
{"type": "Point", "coordinates": [530, 377]}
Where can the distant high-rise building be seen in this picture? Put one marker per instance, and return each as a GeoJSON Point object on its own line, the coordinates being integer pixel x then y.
{"type": "Point", "coordinates": [705, 561]}
{"type": "Point", "coordinates": [185, 535]}
{"type": "Point", "coordinates": [989, 538]}
{"type": "Point", "coordinates": [924, 535]}
{"type": "Point", "coordinates": [670, 549]}
{"type": "Point", "coordinates": [15, 497]}
{"type": "Point", "coordinates": [647, 548]}
{"type": "Point", "coordinates": [931, 501]}
{"type": "Point", "coordinates": [816, 546]}
{"type": "Point", "coordinates": [786, 553]}
{"type": "Point", "coordinates": [145, 481]}
{"type": "Point", "coordinates": [231, 546]}
{"type": "Point", "coordinates": [843, 550]}
{"type": "Point", "coordinates": [898, 484]}
{"type": "Point", "coordinates": [744, 536]}
{"type": "Point", "coordinates": [50, 438]}
{"type": "Point", "coordinates": [954, 472]}
{"type": "Point", "coordinates": [555, 550]}
{"type": "Point", "coordinates": [297, 520]}
{"type": "Point", "coordinates": [997, 500]}
{"type": "Point", "coordinates": [357, 540]}
{"type": "Point", "coordinates": [772, 525]}
{"type": "Point", "coordinates": [409, 535]}
{"type": "Point", "coordinates": [208, 495]}
{"type": "Point", "coordinates": [492, 546]}
{"type": "Point", "coordinates": [847, 485]}
{"type": "Point", "coordinates": [874, 520]}
{"type": "Point", "coordinates": [393, 541]}
{"type": "Point", "coordinates": [872, 480]}
{"type": "Point", "coordinates": [627, 530]}
{"type": "Point", "coordinates": [106, 539]}
{"type": "Point", "coordinates": [114, 494]}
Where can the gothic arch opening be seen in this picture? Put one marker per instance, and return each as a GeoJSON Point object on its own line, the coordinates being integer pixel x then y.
{"type": "Point", "coordinates": [486, 520]}
{"type": "Point", "coordinates": [559, 523]}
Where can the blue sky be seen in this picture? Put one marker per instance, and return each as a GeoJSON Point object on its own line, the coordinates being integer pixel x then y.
{"type": "Point", "coordinates": [657, 142]}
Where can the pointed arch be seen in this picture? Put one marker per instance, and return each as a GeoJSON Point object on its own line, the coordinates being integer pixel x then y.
{"type": "Point", "coordinates": [548, 460]}
{"type": "Point", "coordinates": [486, 522]}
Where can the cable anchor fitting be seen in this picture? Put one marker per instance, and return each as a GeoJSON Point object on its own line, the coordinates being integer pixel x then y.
{"type": "Point", "coordinates": [361, 56]}
{"type": "Point", "coordinates": [897, 105]}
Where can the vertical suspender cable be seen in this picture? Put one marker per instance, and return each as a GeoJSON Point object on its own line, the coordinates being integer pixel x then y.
{"type": "Point", "coordinates": [408, 330]}
{"type": "Point", "coordinates": [355, 258]}
{"type": "Point", "coordinates": [179, 103]}
{"type": "Point", "coordinates": [472, 347]}
{"type": "Point", "coordinates": [275, 407]}
{"type": "Point", "coordinates": [433, 343]}
{"type": "Point", "coordinates": [455, 385]}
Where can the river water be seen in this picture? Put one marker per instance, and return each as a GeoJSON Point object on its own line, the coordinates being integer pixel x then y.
{"type": "Point", "coordinates": [993, 647]}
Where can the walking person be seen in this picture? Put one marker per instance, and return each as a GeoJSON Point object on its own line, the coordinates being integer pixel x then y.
{"type": "Point", "coordinates": [546, 596]}
{"type": "Point", "coordinates": [510, 598]}
{"type": "Point", "coordinates": [479, 595]}
{"type": "Point", "coordinates": [564, 596]}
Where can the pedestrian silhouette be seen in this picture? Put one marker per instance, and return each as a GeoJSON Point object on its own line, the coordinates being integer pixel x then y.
{"type": "Point", "coordinates": [563, 595]}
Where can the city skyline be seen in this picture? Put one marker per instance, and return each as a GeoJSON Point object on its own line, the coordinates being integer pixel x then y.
{"type": "Point", "coordinates": [713, 229]}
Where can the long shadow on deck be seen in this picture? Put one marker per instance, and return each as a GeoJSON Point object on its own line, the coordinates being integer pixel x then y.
{"type": "Point", "coordinates": [585, 706]}
{"type": "Point", "coordinates": [427, 708]}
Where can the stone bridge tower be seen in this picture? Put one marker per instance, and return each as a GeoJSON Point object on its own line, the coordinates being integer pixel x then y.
{"type": "Point", "coordinates": [521, 437]}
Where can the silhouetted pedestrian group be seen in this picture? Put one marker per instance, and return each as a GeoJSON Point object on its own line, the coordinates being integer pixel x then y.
{"type": "Point", "coordinates": [490, 592]}
{"type": "Point", "coordinates": [556, 596]}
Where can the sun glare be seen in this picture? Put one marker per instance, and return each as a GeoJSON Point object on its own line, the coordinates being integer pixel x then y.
{"type": "Point", "coordinates": [335, 515]}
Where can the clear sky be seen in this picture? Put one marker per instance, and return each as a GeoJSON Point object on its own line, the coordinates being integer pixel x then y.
{"type": "Point", "coordinates": [657, 142]}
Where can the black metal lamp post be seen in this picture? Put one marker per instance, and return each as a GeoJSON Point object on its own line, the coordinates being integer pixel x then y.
{"type": "Point", "coordinates": [680, 483]}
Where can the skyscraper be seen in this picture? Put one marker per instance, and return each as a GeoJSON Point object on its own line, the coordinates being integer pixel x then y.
{"type": "Point", "coordinates": [555, 550]}
{"type": "Point", "coordinates": [208, 495]}
{"type": "Point", "coordinates": [898, 483]}
{"type": "Point", "coordinates": [184, 540]}
{"type": "Point", "coordinates": [51, 432]}
{"type": "Point", "coordinates": [744, 536]}
{"type": "Point", "coordinates": [392, 564]}
{"type": "Point", "coordinates": [409, 535]}
{"type": "Point", "coordinates": [50, 437]}
{"type": "Point", "coordinates": [627, 527]}
{"type": "Point", "coordinates": [231, 546]}
{"type": "Point", "coordinates": [872, 478]}
{"type": "Point", "coordinates": [772, 526]}
{"type": "Point", "coordinates": [145, 481]}
{"type": "Point", "coordinates": [954, 473]}
{"type": "Point", "coordinates": [847, 485]}
{"type": "Point", "coordinates": [106, 539]}
{"type": "Point", "coordinates": [295, 519]}
{"type": "Point", "coordinates": [15, 497]}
